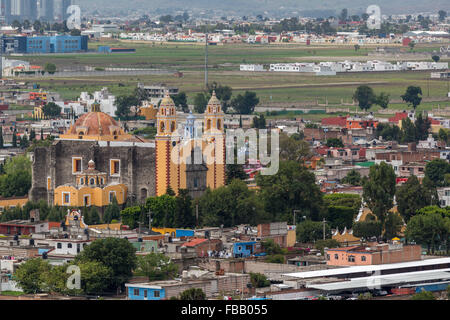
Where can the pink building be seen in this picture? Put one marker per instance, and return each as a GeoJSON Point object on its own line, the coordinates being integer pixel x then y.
{"type": "Point", "coordinates": [373, 253]}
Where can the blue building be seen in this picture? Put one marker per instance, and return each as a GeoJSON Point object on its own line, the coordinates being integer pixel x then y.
{"type": "Point", "coordinates": [184, 233]}
{"type": "Point", "coordinates": [45, 44]}
{"type": "Point", "coordinates": [244, 249]}
{"type": "Point", "coordinates": [142, 291]}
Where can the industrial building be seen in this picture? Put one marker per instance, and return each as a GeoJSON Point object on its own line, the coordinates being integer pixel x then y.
{"type": "Point", "coordinates": [45, 44]}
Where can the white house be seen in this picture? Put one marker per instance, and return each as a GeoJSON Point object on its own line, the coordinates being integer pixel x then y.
{"type": "Point", "coordinates": [252, 67]}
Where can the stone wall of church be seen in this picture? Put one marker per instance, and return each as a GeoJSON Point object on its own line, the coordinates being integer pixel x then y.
{"type": "Point", "coordinates": [137, 167]}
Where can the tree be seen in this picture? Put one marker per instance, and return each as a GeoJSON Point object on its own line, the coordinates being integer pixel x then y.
{"type": "Point", "coordinates": [334, 142]}
{"type": "Point", "coordinates": [429, 228]}
{"type": "Point", "coordinates": [270, 247]}
{"type": "Point", "coordinates": [411, 45]}
{"type": "Point", "coordinates": [292, 149]}
{"type": "Point", "coordinates": [200, 103]}
{"type": "Point", "coordinates": [1, 138]}
{"type": "Point", "coordinates": [310, 231]}
{"type": "Point", "coordinates": [117, 254]}
{"type": "Point", "coordinates": [184, 216]}
{"type": "Point", "coordinates": [424, 295]}
{"type": "Point", "coordinates": [293, 187]}
{"type": "Point", "coordinates": [193, 294]}
{"type": "Point", "coordinates": [339, 216]}
{"type": "Point", "coordinates": [163, 210]}
{"type": "Point", "coordinates": [393, 225]}
{"type": "Point", "coordinates": [259, 122]}
{"type": "Point", "coordinates": [235, 171]}
{"type": "Point", "coordinates": [156, 266]}
{"type": "Point", "coordinates": [367, 229]}
{"type": "Point", "coordinates": [245, 104]}
{"type": "Point", "coordinates": [435, 58]}
{"type": "Point", "coordinates": [412, 96]}
{"type": "Point", "coordinates": [180, 101]}
{"type": "Point", "coordinates": [353, 178]}
{"type": "Point", "coordinates": [408, 132]}
{"type": "Point", "coordinates": [50, 68]}
{"type": "Point", "coordinates": [443, 135]}
{"type": "Point", "coordinates": [436, 170]}
{"type": "Point", "coordinates": [422, 127]}
{"type": "Point", "coordinates": [30, 275]}
{"type": "Point", "coordinates": [259, 280]}
{"type": "Point", "coordinates": [141, 95]}
{"type": "Point", "coordinates": [442, 15]}
{"type": "Point", "coordinates": [14, 139]}
{"type": "Point", "coordinates": [357, 47]}
{"type": "Point", "coordinates": [51, 110]}
{"type": "Point", "coordinates": [94, 277]}
{"type": "Point", "coordinates": [24, 143]}
{"type": "Point", "coordinates": [17, 178]}
{"type": "Point", "coordinates": [365, 97]}
{"type": "Point", "coordinates": [130, 216]}
{"type": "Point", "coordinates": [231, 205]}
{"type": "Point", "coordinates": [382, 100]}
{"type": "Point", "coordinates": [124, 103]}
{"type": "Point", "coordinates": [411, 197]}
{"type": "Point", "coordinates": [112, 211]}
{"type": "Point", "coordinates": [55, 279]}
{"type": "Point", "coordinates": [379, 189]}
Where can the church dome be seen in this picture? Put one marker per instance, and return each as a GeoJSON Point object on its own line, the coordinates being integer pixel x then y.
{"type": "Point", "coordinates": [96, 124]}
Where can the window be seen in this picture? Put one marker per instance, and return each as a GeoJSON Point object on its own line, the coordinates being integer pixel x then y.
{"type": "Point", "coordinates": [59, 245]}
{"type": "Point", "coordinates": [76, 165]}
{"type": "Point", "coordinates": [114, 167]}
{"type": "Point", "coordinates": [82, 181]}
{"type": "Point", "coordinates": [145, 293]}
{"type": "Point", "coordinates": [336, 257]}
{"type": "Point", "coordinates": [351, 258]}
{"type": "Point", "coordinates": [91, 181]}
{"type": "Point", "coordinates": [66, 198]}
{"type": "Point", "coordinates": [69, 245]}
{"type": "Point", "coordinates": [363, 258]}
{"type": "Point", "coordinates": [112, 194]}
{"type": "Point", "coordinates": [136, 292]}
{"type": "Point", "coordinates": [156, 294]}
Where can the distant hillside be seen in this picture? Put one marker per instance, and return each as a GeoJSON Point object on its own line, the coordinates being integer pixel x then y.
{"type": "Point", "coordinates": [241, 7]}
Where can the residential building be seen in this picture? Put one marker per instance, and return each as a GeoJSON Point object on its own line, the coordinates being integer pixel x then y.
{"type": "Point", "coordinates": [373, 254]}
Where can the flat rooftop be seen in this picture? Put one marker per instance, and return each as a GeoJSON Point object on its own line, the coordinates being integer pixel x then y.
{"type": "Point", "coordinates": [379, 281]}
{"type": "Point", "coordinates": [371, 268]}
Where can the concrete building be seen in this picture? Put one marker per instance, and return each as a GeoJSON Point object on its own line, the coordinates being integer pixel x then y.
{"type": "Point", "coordinates": [373, 254]}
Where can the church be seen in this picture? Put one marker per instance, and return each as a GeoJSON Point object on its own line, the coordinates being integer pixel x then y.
{"type": "Point", "coordinates": [95, 160]}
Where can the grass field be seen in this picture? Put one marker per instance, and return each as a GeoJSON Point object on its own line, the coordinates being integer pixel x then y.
{"type": "Point", "coordinates": [271, 87]}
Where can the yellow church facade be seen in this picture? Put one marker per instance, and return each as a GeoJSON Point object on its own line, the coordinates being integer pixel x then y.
{"type": "Point", "coordinates": [177, 153]}
{"type": "Point", "coordinates": [90, 189]}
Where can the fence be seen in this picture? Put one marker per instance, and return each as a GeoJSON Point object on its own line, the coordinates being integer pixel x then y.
{"type": "Point", "coordinates": [106, 73]}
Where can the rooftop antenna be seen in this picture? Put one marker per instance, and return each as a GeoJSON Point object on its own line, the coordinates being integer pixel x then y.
{"type": "Point", "coordinates": [206, 60]}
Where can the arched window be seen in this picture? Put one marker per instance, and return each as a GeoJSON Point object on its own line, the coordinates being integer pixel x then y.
{"type": "Point", "coordinates": [69, 245]}
{"type": "Point", "coordinates": [92, 181]}
{"type": "Point", "coordinates": [161, 126]}
{"type": "Point", "coordinates": [172, 126]}
{"type": "Point", "coordinates": [81, 181]}
{"type": "Point", "coordinates": [208, 124]}
{"type": "Point", "coordinates": [219, 124]}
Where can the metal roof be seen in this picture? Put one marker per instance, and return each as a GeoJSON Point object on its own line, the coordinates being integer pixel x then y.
{"type": "Point", "coordinates": [374, 282]}
{"type": "Point", "coordinates": [371, 268]}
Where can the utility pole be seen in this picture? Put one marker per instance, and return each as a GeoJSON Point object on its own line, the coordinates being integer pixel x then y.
{"type": "Point", "coordinates": [295, 220]}
{"type": "Point", "coordinates": [196, 213]}
{"type": "Point", "coordinates": [206, 60]}
{"type": "Point", "coordinates": [149, 219]}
